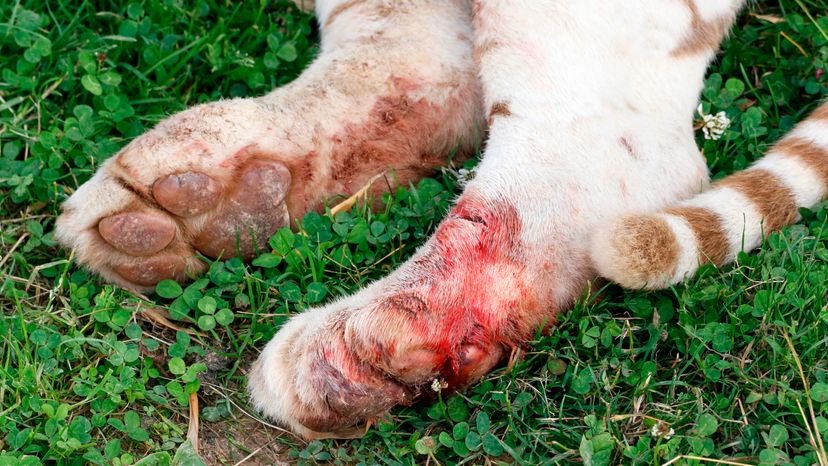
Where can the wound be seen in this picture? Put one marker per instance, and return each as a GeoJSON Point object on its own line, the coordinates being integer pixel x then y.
{"type": "Point", "coordinates": [470, 289]}
{"type": "Point", "coordinates": [392, 136]}
{"type": "Point", "coordinates": [408, 303]}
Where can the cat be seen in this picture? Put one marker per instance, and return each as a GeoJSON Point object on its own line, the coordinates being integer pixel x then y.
{"type": "Point", "coordinates": [590, 168]}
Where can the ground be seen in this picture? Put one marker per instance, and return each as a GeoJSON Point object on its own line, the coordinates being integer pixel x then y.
{"type": "Point", "coordinates": [730, 365]}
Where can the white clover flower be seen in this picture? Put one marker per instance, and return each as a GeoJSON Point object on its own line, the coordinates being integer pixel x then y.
{"type": "Point", "coordinates": [661, 429]}
{"type": "Point", "coordinates": [714, 125]}
{"type": "Point", "coordinates": [462, 175]}
{"type": "Point", "coordinates": [439, 385]}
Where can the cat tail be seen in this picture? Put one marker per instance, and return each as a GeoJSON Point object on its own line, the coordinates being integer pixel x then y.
{"type": "Point", "coordinates": [652, 251]}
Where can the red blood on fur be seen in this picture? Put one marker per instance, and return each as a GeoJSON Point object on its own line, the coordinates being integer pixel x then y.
{"type": "Point", "coordinates": [467, 298]}
{"type": "Point", "coordinates": [394, 137]}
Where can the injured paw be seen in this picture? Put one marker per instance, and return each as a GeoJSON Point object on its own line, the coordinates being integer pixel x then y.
{"type": "Point", "coordinates": [450, 314]}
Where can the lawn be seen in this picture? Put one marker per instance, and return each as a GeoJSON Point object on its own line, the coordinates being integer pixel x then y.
{"type": "Point", "coordinates": [732, 365]}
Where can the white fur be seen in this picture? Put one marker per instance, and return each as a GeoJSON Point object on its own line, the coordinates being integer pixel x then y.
{"type": "Point", "coordinates": [558, 158]}
{"type": "Point", "coordinates": [804, 184]}
{"type": "Point", "coordinates": [688, 261]}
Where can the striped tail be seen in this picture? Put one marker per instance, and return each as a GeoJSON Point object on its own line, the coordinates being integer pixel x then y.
{"type": "Point", "coordinates": [654, 251]}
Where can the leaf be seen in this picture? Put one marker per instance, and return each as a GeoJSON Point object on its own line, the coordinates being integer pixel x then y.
{"type": "Point", "coordinates": [425, 445]}
{"type": "Point", "coordinates": [582, 383]}
{"type": "Point", "coordinates": [596, 451]}
{"type": "Point", "coordinates": [168, 289]}
{"type": "Point", "coordinates": [482, 422]}
{"type": "Point", "coordinates": [112, 449]}
{"type": "Point", "coordinates": [706, 425]}
{"type": "Point", "coordinates": [460, 431]}
{"type": "Point", "coordinates": [819, 392]}
{"type": "Point", "coordinates": [777, 436]}
{"type": "Point", "coordinates": [132, 420]}
{"type": "Point", "coordinates": [207, 305]}
{"type": "Point", "coordinates": [224, 317]}
{"type": "Point", "coordinates": [207, 323]}
{"type": "Point", "coordinates": [91, 84]}
{"type": "Point", "coordinates": [287, 52]}
{"type": "Point", "coordinates": [177, 366]}
{"type": "Point", "coordinates": [186, 456]}
{"type": "Point", "coordinates": [445, 439]}
{"type": "Point", "coordinates": [491, 445]}
{"type": "Point", "coordinates": [291, 292]}
{"type": "Point", "coordinates": [267, 261]}
{"type": "Point", "coordinates": [315, 293]}
{"type": "Point", "coordinates": [473, 441]}
{"type": "Point", "coordinates": [282, 242]}
{"type": "Point", "coordinates": [457, 409]}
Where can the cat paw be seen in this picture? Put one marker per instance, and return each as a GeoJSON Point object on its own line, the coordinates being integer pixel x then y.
{"type": "Point", "coordinates": [193, 186]}
{"type": "Point", "coordinates": [440, 322]}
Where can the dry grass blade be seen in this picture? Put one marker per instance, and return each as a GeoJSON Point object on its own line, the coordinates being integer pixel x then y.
{"type": "Point", "coordinates": [15, 246]}
{"type": "Point", "coordinates": [813, 432]}
{"type": "Point", "coordinates": [351, 201]}
{"type": "Point", "coordinates": [192, 428]}
{"type": "Point", "coordinates": [161, 317]}
{"type": "Point", "coordinates": [773, 19]}
{"type": "Point", "coordinates": [707, 460]}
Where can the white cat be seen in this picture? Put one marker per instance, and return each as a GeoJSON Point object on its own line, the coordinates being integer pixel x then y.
{"type": "Point", "coordinates": [590, 168]}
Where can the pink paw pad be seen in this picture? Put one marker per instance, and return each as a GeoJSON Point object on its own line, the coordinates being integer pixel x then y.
{"type": "Point", "coordinates": [138, 233]}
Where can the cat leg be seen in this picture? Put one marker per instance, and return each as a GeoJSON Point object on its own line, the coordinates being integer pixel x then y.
{"type": "Point", "coordinates": [661, 249]}
{"type": "Point", "coordinates": [589, 118]}
{"type": "Point", "coordinates": [393, 90]}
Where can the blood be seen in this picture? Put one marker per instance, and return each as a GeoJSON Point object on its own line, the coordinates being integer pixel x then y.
{"type": "Point", "coordinates": [402, 133]}
{"type": "Point", "coordinates": [467, 298]}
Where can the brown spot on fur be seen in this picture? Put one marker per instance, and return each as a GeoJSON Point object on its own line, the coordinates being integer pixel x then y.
{"type": "Point", "coordinates": [703, 36]}
{"type": "Point", "coordinates": [409, 303]}
{"type": "Point", "coordinates": [649, 245]}
{"type": "Point", "coordinates": [622, 186]}
{"type": "Point", "coordinates": [625, 143]}
{"type": "Point", "coordinates": [341, 8]}
{"type": "Point", "coordinates": [241, 156]}
{"type": "Point", "coordinates": [394, 138]}
{"type": "Point", "coordinates": [484, 48]}
{"type": "Point", "coordinates": [814, 156]}
{"type": "Point", "coordinates": [305, 169]}
{"type": "Point", "coordinates": [774, 200]}
{"type": "Point", "coordinates": [707, 227]}
{"type": "Point", "coordinates": [499, 109]}
{"type": "Point", "coordinates": [821, 113]}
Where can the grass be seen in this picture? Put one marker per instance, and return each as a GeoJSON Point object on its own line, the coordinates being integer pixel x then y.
{"type": "Point", "coordinates": [731, 365]}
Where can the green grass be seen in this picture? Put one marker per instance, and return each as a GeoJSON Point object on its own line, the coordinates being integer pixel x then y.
{"type": "Point", "coordinates": [87, 376]}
